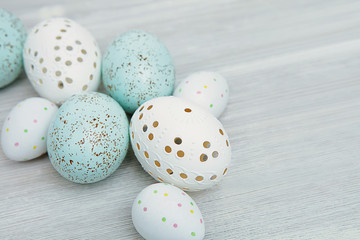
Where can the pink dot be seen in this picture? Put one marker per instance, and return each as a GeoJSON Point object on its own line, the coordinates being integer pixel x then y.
{"type": "Point", "coordinates": [175, 225]}
{"type": "Point", "coordinates": [145, 209]}
{"type": "Point", "coordinates": [35, 121]}
{"type": "Point", "coordinates": [222, 95]}
{"type": "Point", "coordinates": [179, 205]}
{"type": "Point", "coordinates": [8, 119]}
{"type": "Point", "coordinates": [187, 82]}
{"type": "Point", "coordinates": [52, 104]}
{"type": "Point", "coordinates": [16, 144]}
{"type": "Point", "coordinates": [200, 220]}
{"type": "Point", "coordinates": [198, 92]}
{"type": "Point", "coordinates": [183, 194]}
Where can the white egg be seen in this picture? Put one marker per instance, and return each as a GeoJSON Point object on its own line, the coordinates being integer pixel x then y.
{"type": "Point", "coordinates": [61, 59]}
{"type": "Point", "coordinates": [206, 89]}
{"type": "Point", "coordinates": [180, 143]}
{"type": "Point", "coordinates": [163, 212]}
{"type": "Point", "coordinates": [23, 135]}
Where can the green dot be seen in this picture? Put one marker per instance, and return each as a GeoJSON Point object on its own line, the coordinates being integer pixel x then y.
{"type": "Point", "coordinates": [180, 90]}
{"type": "Point", "coordinates": [155, 191]}
{"type": "Point", "coordinates": [139, 202]}
{"type": "Point", "coordinates": [193, 234]}
{"type": "Point", "coordinates": [25, 130]}
{"type": "Point", "coordinates": [191, 203]}
{"type": "Point", "coordinates": [42, 138]}
{"type": "Point", "coordinates": [214, 79]}
{"type": "Point", "coordinates": [45, 108]}
{"type": "Point", "coordinates": [211, 105]}
{"type": "Point", "coordinates": [163, 219]}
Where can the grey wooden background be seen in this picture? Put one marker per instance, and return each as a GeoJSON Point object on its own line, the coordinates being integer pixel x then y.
{"type": "Point", "coordinates": [293, 118]}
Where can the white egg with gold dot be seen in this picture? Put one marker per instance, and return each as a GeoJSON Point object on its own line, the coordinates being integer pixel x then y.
{"type": "Point", "coordinates": [61, 58]}
{"type": "Point", "coordinates": [209, 90]}
{"type": "Point", "coordinates": [24, 131]}
{"type": "Point", "coordinates": [163, 212]}
{"type": "Point", "coordinates": [180, 143]}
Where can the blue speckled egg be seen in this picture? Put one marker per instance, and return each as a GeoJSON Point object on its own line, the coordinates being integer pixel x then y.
{"type": "Point", "coordinates": [12, 38]}
{"type": "Point", "coordinates": [137, 67]}
{"type": "Point", "coordinates": [88, 139]}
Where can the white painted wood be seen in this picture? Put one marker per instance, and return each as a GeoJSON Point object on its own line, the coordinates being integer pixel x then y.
{"type": "Point", "coordinates": [293, 120]}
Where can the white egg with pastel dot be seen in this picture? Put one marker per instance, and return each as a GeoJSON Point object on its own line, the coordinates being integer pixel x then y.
{"type": "Point", "coordinates": [162, 212]}
{"type": "Point", "coordinates": [209, 90]}
{"type": "Point", "coordinates": [24, 131]}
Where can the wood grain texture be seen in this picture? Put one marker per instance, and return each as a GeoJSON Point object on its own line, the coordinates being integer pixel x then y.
{"type": "Point", "coordinates": [293, 120]}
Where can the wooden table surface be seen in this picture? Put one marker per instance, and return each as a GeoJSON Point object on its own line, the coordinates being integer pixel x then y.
{"type": "Point", "coordinates": [293, 118]}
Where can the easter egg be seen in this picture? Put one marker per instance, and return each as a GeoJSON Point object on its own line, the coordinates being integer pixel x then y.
{"type": "Point", "coordinates": [12, 38]}
{"type": "Point", "coordinates": [88, 138]}
{"type": "Point", "coordinates": [180, 143]}
{"type": "Point", "coordinates": [24, 132]}
{"type": "Point", "coordinates": [209, 90]}
{"type": "Point", "coordinates": [136, 68]}
{"type": "Point", "coordinates": [61, 59]}
{"type": "Point", "coordinates": [163, 212]}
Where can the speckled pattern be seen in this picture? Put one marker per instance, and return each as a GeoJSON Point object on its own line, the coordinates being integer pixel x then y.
{"type": "Point", "coordinates": [180, 143]}
{"type": "Point", "coordinates": [88, 139]}
{"type": "Point", "coordinates": [136, 68]}
{"type": "Point", "coordinates": [12, 38]}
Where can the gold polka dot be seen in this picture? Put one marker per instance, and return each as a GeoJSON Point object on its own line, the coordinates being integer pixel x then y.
{"type": "Point", "coordinates": [165, 194]}
{"type": "Point", "coordinates": [132, 135]}
{"type": "Point", "coordinates": [77, 42]}
{"type": "Point", "coordinates": [138, 146]}
{"type": "Point", "coordinates": [199, 178]}
{"type": "Point", "coordinates": [169, 171]}
{"type": "Point", "coordinates": [83, 51]}
{"type": "Point", "coordinates": [168, 149]}
{"type": "Point", "coordinates": [44, 70]}
{"type": "Point", "coordinates": [60, 85]}
{"type": "Point", "coordinates": [183, 175]}
{"type": "Point", "coordinates": [178, 141]}
{"type": "Point", "coordinates": [203, 157]}
{"type": "Point", "coordinates": [34, 147]}
{"type": "Point", "coordinates": [146, 154]}
{"type": "Point", "coordinates": [215, 154]}
{"type": "Point", "coordinates": [69, 48]}
{"type": "Point", "coordinates": [206, 144]}
{"type": "Point", "coordinates": [85, 87]}
{"type": "Point", "coordinates": [150, 172]}
{"type": "Point", "coordinates": [68, 63]}
{"type": "Point", "coordinates": [151, 136]}
{"type": "Point", "coordinates": [141, 108]}
{"type": "Point", "coordinates": [79, 59]}
{"type": "Point", "coordinates": [150, 107]}
{"type": "Point", "coordinates": [91, 77]}
{"type": "Point", "coordinates": [155, 124]}
{"type": "Point", "coordinates": [94, 64]}
{"type": "Point", "coordinates": [62, 30]}
{"type": "Point", "coordinates": [192, 211]}
{"type": "Point", "coordinates": [213, 177]}
{"type": "Point", "coordinates": [221, 131]}
{"type": "Point", "coordinates": [160, 179]}
{"type": "Point", "coordinates": [187, 110]}
{"type": "Point", "coordinates": [180, 153]}
{"type": "Point", "coordinates": [58, 73]}
{"type": "Point", "coordinates": [58, 37]}
{"type": "Point", "coordinates": [227, 143]}
{"type": "Point", "coordinates": [140, 117]}
{"type": "Point", "coordinates": [225, 171]}
{"type": "Point", "coordinates": [41, 60]}
{"type": "Point", "coordinates": [7, 129]}
{"type": "Point", "coordinates": [40, 81]}
{"type": "Point", "coordinates": [157, 163]}
{"type": "Point", "coordinates": [68, 80]}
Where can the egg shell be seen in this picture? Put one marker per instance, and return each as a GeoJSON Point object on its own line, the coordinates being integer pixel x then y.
{"type": "Point", "coordinates": [23, 135]}
{"type": "Point", "coordinates": [61, 58]}
{"type": "Point", "coordinates": [88, 139]}
{"type": "Point", "coordinates": [136, 68]}
{"type": "Point", "coordinates": [209, 90]}
{"type": "Point", "coordinates": [12, 38]}
{"type": "Point", "coordinates": [163, 212]}
{"type": "Point", "coordinates": [180, 143]}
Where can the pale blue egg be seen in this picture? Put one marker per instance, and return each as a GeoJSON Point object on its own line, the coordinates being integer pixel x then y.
{"type": "Point", "coordinates": [137, 67]}
{"type": "Point", "coordinates": [12, 38]}
{"type": "Point", "coordinates": [89, 137]}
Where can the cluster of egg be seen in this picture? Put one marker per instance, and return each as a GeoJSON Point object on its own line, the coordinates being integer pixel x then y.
{"type": "Point", "coordinates": [177, 139]}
